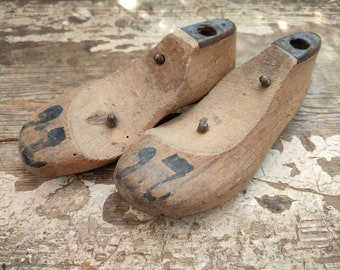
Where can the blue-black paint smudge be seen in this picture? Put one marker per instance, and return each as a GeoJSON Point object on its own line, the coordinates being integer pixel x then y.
{"type": "Point", "coordinates": [145, 155]}
{"type": "Point", "coordinates": [54, 138]}
{"type": "Point", "coordinates": [45, 116]}
{"type": "Point", "coordinates": [180, 166]}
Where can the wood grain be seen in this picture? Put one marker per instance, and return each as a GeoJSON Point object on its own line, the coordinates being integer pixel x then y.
{"type": "Point", "coordinates": [50, 47]}
{"type": "Point", "coordinates": [245, 118]}
{"type": "Point", "coordinates": [70, 135]}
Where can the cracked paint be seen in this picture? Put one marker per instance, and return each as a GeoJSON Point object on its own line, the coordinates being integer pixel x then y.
{"type": "Point", "coordinates": [90, 220]}
{"type": "Point", "coordinates": [312, 175]}
{"type": "Point", "coordinates": [81, 222]}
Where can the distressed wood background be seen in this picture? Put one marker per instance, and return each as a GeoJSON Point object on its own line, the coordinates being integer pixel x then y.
{"type": "Point", "coordinates": [288, 216]}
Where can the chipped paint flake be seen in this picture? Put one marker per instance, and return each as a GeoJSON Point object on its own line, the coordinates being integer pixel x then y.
{"type": "Point", "coordinates": [106, 233]}
{"type": "Point", "coordinates": [312, 176]}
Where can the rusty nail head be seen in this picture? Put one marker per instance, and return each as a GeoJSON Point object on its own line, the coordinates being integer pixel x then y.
{"type": "Point", "coordinates": [264, 80]}
{"type": "Point", "coordinates": [111, 120]}
{"type": "Point", "coordinates": [159, 58]}
{"type": "Point", "coordinates": [203, 125]}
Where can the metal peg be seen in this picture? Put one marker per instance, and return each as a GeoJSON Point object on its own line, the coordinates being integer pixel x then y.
{"type": "Point", "coordinates": [203, 125]}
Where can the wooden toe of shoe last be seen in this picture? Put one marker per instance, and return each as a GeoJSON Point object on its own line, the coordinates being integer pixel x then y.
{"type": "Point", "coordinates": [93, 124]}
{"type": "Point", "coordinates": [204, 156]}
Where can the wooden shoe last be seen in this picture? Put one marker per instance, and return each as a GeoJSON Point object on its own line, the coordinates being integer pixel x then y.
{"type": "Point", "coordinates": [95, 123]}
{"type": "Point", "coordinates": [204, 156]}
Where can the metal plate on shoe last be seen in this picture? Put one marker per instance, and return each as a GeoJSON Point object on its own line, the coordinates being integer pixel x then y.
{"type": "Point", "coordinates": [301, 45]}
{"type": "Point", "coordinates": [210, 32]}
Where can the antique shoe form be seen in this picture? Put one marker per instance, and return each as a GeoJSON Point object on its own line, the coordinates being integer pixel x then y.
{"type": "Point", "coordinates": [204, 156]}
{"type": "Point", "coordinates": [95, 123]}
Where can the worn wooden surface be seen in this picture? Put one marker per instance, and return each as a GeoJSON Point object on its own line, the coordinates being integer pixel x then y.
{"type": "Point", "coordinates": [198, 171]}
{"type": "Point", "coordinates": [139, 95]}
{"type": "Point", "coordinates": [288, 216]}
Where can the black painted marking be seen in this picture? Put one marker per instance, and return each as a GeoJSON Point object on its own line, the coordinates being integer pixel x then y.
{"type": "Point", "coordinates": [180, 166]}
{"type": "Point", "coordinates": [45, 116]}
{"type": "Point", "coordinates": [145, 155]}
{"type": "Point", "coordinates": [147, 195]}
{"type": "Point", "coordinates": [28, 158]}
{"type": "Point", "coordinates": [54, 138]}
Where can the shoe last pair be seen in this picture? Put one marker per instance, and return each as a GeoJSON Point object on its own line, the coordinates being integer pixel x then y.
{"type": "Point", "coordinates": [202, 157]}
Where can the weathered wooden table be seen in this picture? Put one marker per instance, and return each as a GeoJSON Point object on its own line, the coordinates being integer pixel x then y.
{"type": "Point", "coordinates": [287, 218]}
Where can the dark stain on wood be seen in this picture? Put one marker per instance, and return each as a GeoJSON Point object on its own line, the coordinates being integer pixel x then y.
{"type": "Point", "coordinates": [332, 167]}
{"type": "Point", "coordinates": [306, 142]}
{"type": "Point", "coordinates": [276, 204]}
{"type": "Point", "coordinates": [303, 135]}
{"type": "Point", "coordinates": [295, 171]}
{"type": "Point", "coordinates": [333, 201]}
{"type": "Point", "coordinates": [116, 212]}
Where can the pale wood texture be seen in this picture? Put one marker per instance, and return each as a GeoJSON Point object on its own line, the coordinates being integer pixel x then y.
{"type": "Point", "coordinates": [286, 218]}
{"type": "Point", "coordinates": [189, 172]}
{"type": "Point", "coordinates": [70, 135]}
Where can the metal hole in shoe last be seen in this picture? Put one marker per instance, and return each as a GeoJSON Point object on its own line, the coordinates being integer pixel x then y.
{"type": "Point", "coordinates": [210, 32]}
{"type": "Point", "coordinates": [302, 45]}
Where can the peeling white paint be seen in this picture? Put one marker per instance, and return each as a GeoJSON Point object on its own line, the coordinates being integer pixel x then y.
{"type": "Point", "coordinates": [235, 225]}
{"type": "Point", "coordinates": [311, 175]}
{"type": "Point", "coordinates": [238, 234]}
